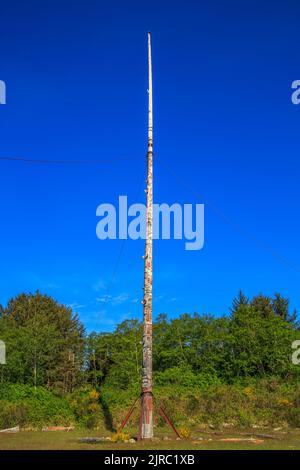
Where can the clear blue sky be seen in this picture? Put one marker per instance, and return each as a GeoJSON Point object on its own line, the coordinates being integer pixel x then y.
{"type": "Point", "coordinates": [76, 75]}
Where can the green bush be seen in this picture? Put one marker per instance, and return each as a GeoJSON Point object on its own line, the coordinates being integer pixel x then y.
{"type": "Point", "coordinates": [24, 405]}
{"type": "Point", "coordinates": [185, 377]}
{"type": "Point", "coordinates": [294, 417]}
{"type": "Point", "coordinates": [12, 414]}
{"type": "Point", "coordinates": [266, 402]}
{"type": "Point", "coordinates": [85, 404]}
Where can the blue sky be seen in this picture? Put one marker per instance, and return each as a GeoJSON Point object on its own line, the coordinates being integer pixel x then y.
{"type": "Point", "coordinates": [76, 76]}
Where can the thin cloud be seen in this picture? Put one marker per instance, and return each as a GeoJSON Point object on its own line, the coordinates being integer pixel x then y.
{"type": "Point", "coordinates": [117, 300]}
{"type": "Point", "coordinates": [75, 306]}
{"type": "Point", "coordinates": [99, 285]}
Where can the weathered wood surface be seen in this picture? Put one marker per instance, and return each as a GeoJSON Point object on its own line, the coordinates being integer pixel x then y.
{"type": "Point", "coordinates": [146, 425]}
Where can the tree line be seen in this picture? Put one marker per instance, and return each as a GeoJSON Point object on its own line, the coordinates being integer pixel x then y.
{"type": "Point", "coordinates": [47, 345]}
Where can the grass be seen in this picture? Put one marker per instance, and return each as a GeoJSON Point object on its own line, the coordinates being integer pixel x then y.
{"type": "Point", "coordinates": [61, 440]}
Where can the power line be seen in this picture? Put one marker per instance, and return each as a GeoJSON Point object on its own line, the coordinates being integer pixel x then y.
{"type": "Point", "coordinates": [236, 226]}
{"type": "Point", "coordinates": [242, 231]}
{"type": "Point", "coordinates": [63, 162]}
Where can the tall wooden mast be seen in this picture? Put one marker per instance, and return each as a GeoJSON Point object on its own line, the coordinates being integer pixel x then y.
{"type": "Point", "coordinates": [146, 418]}
{"type": "Point", "coordinates": [146, 423]}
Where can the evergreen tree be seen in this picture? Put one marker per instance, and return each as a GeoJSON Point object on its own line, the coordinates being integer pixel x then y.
{"type": "Point", "coordinates": [238, 301]}
{"type": "Point", "coordinates": [281, 308]}
{"type": "Point", "coordinates": [263, 306]}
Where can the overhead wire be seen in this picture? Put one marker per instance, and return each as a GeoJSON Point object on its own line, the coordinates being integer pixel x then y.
{"type": "Point", "coordinates": [64, 161]}
{"type": "Point", "coordinates": [236, 226]}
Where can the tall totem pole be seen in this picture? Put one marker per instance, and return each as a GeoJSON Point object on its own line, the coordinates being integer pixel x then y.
{"type": "Point", "coordinates": [146, 422]}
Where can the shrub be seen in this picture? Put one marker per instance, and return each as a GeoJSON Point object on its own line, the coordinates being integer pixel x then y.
{"type": "Point", "coordinates": [24, 405]}
{"type": "Point", "coordinates": [293, 417]}
{"type": "Point", "coordinates": [120, 437]}
{"type": "Point", "coordinates": [185, 377]}
{"type": "Point", "coordinates": [84, 403]}
{"type": "Point", "coordinates": [184, 433]}
{"type": "Point", "coordinates": [12, 414]}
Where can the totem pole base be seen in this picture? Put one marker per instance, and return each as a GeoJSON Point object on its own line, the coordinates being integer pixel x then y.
{"type": "Point", "coordinates": [147, 410]}
{"type": "Point", "coordinates": [146, 419]}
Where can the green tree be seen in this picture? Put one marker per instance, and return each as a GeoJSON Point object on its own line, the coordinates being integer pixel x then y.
{"type": "Point", "coordinates": [263, 306]}
{"type": "Point", "coordinates": [280, 307]}
{"type": "Point", "coordinates": [260, 343]}
{"type": "Point", "coordinates": [238, 302]}
{"type": "Point", "coordinates": [44, 342]}
{"type": "Point", "coordinates": [116, 358]}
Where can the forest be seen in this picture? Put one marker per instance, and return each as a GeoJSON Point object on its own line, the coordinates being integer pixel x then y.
{"type": "Point", "coordinates": [234, 369]}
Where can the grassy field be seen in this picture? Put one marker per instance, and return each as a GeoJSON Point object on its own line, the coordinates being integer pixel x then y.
{"type": "Point", "coordinates": [38, 440]}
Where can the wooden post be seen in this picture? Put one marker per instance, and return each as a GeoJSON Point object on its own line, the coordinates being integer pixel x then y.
{"type": "Point", "coordinates": [146, 422]}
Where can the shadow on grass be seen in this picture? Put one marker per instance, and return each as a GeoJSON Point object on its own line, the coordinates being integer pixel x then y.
{"type": "Point", "coordinates": [108, 420]}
